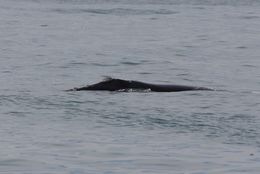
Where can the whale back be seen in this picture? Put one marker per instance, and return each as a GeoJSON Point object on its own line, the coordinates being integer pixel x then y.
{"type": "Point", "coordinates": [110, 84]}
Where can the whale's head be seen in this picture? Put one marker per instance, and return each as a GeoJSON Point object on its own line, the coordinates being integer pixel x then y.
{"type": "Point", "coordinates": [109, 84]}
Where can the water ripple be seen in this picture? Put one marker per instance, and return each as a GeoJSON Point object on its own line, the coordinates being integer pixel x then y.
{"type": "Point", "coordinates": [103, 64]}
{"type": "Point", "coordinates": [116, 11]}
{"type": "Point", "coordinates": [250, 17]}
{"type": "Point", "coordinates": [130, 63]}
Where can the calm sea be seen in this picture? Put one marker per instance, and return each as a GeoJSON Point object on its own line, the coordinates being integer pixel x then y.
{"type": "Point", "coordinates": [47, 47]}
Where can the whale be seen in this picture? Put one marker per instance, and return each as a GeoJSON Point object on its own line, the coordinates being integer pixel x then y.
{"type": "Point", "coordinates": [112, 84]}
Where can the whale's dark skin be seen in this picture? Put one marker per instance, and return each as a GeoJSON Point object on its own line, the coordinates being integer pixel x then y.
{"type": "Point", "coordinates": [126, 85]}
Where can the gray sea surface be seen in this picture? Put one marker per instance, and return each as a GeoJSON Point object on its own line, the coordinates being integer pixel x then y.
{"type": "Point", "coordinates": [47, 47]}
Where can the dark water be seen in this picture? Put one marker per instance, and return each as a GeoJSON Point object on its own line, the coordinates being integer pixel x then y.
{"type": "Point", "coordinates": [47, 47]}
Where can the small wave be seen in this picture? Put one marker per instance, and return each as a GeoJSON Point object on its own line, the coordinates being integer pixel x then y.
{"type": "Point", "coordinates": [241, 47]}
{"type": "Point", "coordinates": [249, 66]}
{"type": "Point", "coordinates": [116, 11]}
{"type": "Point", "coordinates": [180, 55]}
{"type": "Point", "coordinates": [130, 63]}
{"type": "Point", "coordinates": [145, 73]}
{"type": "Point", "coordinates": [6, 71]}
{"type": "Point", "coordinates": [256, 92]}
{"type": "Point", "coordinates": [72, 64]}
{"type": "Point", "coordinates": [103, 64]}
{"type": "Point", "coordinates": [183, 74]}
{"type": "Point", "coordinates": [250, 17]}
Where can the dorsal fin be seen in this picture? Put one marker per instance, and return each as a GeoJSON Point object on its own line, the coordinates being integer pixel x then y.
{"type": "Point", "coordinates": [107, 78]}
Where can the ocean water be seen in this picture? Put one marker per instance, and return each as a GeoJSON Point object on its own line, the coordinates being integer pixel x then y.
{"type": "Point", "coordinates": [47, 47]}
